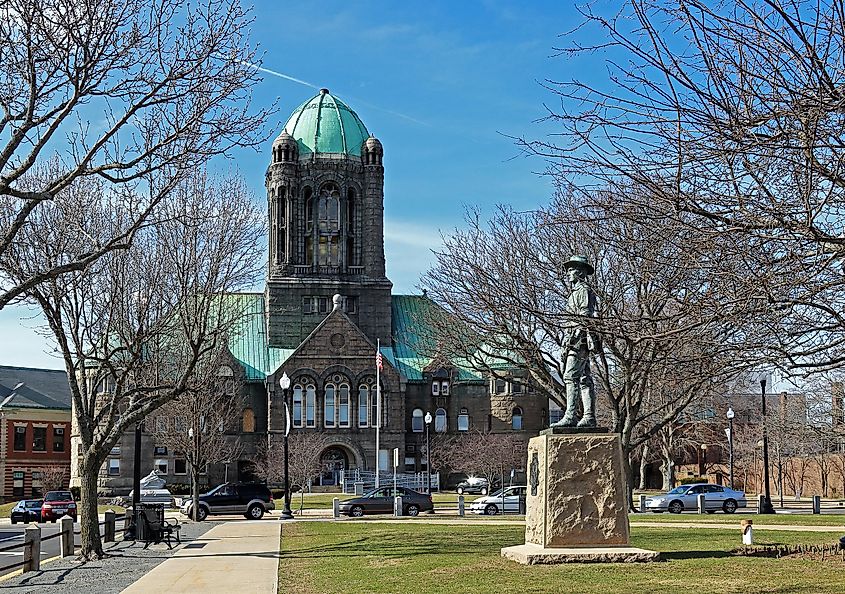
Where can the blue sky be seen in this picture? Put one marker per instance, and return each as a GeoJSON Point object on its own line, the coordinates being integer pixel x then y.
{"type": "Point", "coordinates": [442, 84]}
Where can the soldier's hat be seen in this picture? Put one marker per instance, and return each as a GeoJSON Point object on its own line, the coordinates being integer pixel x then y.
{"type": "Point", "coordinates": [579, 262]}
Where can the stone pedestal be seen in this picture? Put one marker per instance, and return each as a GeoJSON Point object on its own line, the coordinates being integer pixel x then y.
{"type": "Point", "coordinates": [576, 509]}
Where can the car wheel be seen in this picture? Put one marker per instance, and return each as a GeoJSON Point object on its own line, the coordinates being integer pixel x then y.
{"type": "Point", "coordinates": [460, 490]}
{"type": "Point", "coordinates": [255, 512]}
{"type": "Point", "coordinates": [484, 490]}
{"type": "Point", "coordinates": [357, 511]}
{"type": "Point", "coordinates": [729, 506]}
{"type": "Point", "coordinates": [676, 507]}
{"type": "Point", "coordinates": [412, 510]}
{"type": "Point", "coordinates": [14, 521]}
{"type": "Point", "coordinates": [491, 509]}
{"type": "Point", "coordinates": [202, 514]}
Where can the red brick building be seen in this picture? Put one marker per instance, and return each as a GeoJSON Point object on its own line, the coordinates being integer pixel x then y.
{"type": "Point", "coordinates": [35, 416]}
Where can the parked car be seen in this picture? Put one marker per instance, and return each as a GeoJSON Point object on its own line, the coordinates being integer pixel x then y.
{"type": "Point", "coordinates": [473, 484]}
{"type": "Point", "coordinates": [380, 501]}
{"type": "Point", "coordinates": [26, 510]}
{"type": "Point", "coordinates": [685, 497]}
{"type": "Point", "coordinates": [57, 504]}
{"type": "Point", "coordinates": [252, 500]}
{"type": "Point", "coordinates": [507, 500]}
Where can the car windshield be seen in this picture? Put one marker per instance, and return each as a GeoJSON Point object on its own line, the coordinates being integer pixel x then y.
{"type": "Point", "coordinates": [678, 490]}
{"type": "Point", "coordinates": [33, 503]}
{"type": "Point", "coordinates": [58, 496]}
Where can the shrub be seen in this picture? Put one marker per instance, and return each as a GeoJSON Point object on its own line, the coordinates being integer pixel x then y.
{"type": "Point", "coordinates": [179, 488]}
{"type": "Point", "coordinates": [691, 480]}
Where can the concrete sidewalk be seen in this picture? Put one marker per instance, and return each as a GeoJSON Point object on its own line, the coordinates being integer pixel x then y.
{"type": "Point", "coordinates": [232, 557]}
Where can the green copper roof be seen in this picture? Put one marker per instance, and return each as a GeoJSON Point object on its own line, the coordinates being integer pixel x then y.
{"type": "Point", "coordinates": [409, 315]}
{"type": "Point", "coordinates": [326, 126]}
{"type": "Point", "coordinates": [248, 341]}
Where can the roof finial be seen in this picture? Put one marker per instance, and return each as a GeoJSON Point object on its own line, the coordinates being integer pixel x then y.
{"type": "Point", "coordinates": [324, 91]}
{"type": "Point", "coordinates": [336, 300]}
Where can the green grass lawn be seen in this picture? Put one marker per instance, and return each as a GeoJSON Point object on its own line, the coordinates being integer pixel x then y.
{"type": "Point", "coordinates": [759, 520]}
{"type": "Point", "coordinates": [359, 557]}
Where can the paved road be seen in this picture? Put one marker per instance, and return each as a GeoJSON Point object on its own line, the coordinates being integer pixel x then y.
{"type": "Point", "coordinates": [10, 534]}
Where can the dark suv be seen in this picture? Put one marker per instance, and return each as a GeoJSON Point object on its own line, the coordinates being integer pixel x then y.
{"type": "Point", "coordinates": [250, 499]}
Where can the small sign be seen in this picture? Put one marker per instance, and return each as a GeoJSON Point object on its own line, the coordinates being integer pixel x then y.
{"type": "Point", "coordinates": [395, 457]}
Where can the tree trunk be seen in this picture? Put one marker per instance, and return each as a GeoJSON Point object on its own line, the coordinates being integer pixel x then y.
{"type": "Point", "coordinates": [643, 465]}
{"type": "Point", "coordinates": [628, 473]}
{"type": "Point", "coordinates": [89, 519]}
{"type": "Point", "coordinates": [667, 469]}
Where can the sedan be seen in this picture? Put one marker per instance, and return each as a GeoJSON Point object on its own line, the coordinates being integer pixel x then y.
{"type": "Point", "coordinates": [27, 510]}
{"type": "Point", "coordinates": [508, 500]}
{"type": "Point", "coordinates": [380, 501]}
{"type": "Point", "coordinates": [685, 497]}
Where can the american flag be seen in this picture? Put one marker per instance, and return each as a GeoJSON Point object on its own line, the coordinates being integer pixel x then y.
{"type": "Point", "coordinates": [378, 360]}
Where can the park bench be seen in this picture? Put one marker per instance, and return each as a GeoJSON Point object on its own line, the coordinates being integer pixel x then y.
{"type": "Point", "coordinates": [158, 530]}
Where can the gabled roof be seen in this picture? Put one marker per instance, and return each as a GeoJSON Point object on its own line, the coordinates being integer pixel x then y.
{"type": "Point", "coordinates": [409, 315]}
{"type": "Point", "coordinates": [35, 388]}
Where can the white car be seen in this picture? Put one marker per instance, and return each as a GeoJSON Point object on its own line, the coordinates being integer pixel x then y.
{"type": "Point", "coordinates": [509, 499]}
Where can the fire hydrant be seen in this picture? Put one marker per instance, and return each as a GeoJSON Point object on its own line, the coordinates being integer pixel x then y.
{"type": "Point", "coordinates": [747, 532]}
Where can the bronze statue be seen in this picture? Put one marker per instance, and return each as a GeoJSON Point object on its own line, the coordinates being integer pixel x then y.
{"type": "Point", "coordinates": [578, 343]}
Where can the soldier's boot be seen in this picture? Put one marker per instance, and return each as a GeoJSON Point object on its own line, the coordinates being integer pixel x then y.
{"type": "Point", "coordinates": [588, 401]}
{"type": "Point", "coordinates": [568, 419]}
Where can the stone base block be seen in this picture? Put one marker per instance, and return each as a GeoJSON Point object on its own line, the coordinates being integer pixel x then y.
{"type": "Point", "coordinates": [532, 554]}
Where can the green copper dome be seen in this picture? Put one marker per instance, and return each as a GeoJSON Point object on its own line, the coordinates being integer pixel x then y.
{"type": "Point", "coordinates": [324, 125]}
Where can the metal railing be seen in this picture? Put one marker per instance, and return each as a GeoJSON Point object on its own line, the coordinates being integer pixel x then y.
{"type": "Point", "coordinates": [356, 480]}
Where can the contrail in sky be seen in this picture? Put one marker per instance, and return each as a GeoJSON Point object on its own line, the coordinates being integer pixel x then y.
{"type": "Point", "coordinates": [313, 86]}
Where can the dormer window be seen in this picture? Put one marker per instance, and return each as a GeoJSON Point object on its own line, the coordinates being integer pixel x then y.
{"type": "Point", "coordinates": [435, 388]}
{"type": "Point", "coordinates": [444, 388]}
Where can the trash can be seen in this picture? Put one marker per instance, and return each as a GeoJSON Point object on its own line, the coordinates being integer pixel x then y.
{"type": "Point", "coordinates": [154, 513]}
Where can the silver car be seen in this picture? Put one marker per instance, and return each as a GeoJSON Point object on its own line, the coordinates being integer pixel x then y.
{"type": "Point", "coordinates": [685, 497]}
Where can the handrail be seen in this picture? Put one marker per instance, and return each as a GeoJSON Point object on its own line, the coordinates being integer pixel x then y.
{"type": "Point", "coordinates": [19, 563]}
{"type": "Point", "coordinates": [12, 547]}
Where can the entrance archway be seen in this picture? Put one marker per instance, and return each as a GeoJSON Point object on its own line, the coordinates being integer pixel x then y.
{"type": "Point", "coordinates": [333, 462]}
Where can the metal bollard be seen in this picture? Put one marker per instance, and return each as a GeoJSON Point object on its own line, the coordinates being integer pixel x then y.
{"type": "Point", "coordinates": [32, 548]}
{"type": "Point", "coordinates": [397, 506]}
{"type": "Point", "coordinates": [747, 532]}
{"type": "Point", "coordinates": [336, 507]}
{"type": "Point", "coordinates": [108, 532]}
{"type": "Point", "coordinates": [461, 508]}
{"type": "Point", "coordinates": [817, 504]}
{"type": "Point", "coordinates": [701, 503]}
{"type": "Point", "coordinates": [760, 500]}
{"type": "Point", "coordinates": [67, 536]}
{"type": "Point", "coordinates": [642, 503]}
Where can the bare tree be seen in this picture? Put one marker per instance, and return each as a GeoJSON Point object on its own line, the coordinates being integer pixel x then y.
{"type": "Point", "coordinates": [486, 454]}
{"type": "Point", "coordinates": [199, 424]}
{"type": "Point", "coordinates": [53, 478]}
{"type": "Point", "coordinates": [671, 323]}
{"type": "Point", "coordinates": [305, 449]}
{"type": "Point", "coordinates": [114, 93]}
{"type": "Point", "coordinates": [730, 113]}
{"type": "Point", "coordinates": [141, 326]}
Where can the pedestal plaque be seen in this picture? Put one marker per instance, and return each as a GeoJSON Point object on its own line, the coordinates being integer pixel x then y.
{"type": "Point", "coordinates": [576, 508]}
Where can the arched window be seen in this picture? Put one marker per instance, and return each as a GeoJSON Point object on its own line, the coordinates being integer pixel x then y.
{"type": "Point", "coordinates": [309, 226]}
{"type": "Point", "coordinates": [328, 221]}
{"type": "Point", "coordinates": [329, 406]}
{"type": "Point", "coordinates": [440, 420]}
{"type": "Point", "coordinates": [248, 421]}
{"type": "Point", "coordinates": [310, 406]}
{"type": "Point", "coordinates": [281, 244]}
{"type": "Point", "coordinates": [351, 259]}
{"type": "Point", "coordinates": [463, 420]}
{"type": "Point", "coordinates": [363, 405]}
{"type": "Point", "coordinates": [516, 419]}
{"type": "Point", "coordinates": [343, 405]}
{"type": "Point", "coordinates": [297, 406]}
{"type": "Point", "coordinates": [417, 420]}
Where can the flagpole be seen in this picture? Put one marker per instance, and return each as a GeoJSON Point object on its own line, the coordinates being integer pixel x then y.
{"type": "Point", "coordinates": [378, 406]}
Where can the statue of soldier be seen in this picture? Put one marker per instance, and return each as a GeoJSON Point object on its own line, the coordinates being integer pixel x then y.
{"type": "Point", "coordinates": [578, 343]}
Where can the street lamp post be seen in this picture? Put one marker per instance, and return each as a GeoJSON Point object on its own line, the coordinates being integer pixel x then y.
{"type": "Point", "coordinates": [767, 507]}
{"type": "Point", "coordinates": [730, 416]}
{"type": "Point", "coordinates": [427, 453]}
{"type": "Point", "coordinates": [284, 382]}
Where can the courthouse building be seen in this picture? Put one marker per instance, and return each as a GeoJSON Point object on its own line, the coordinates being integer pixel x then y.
{"type": "Point", "coordinates": [326, 305]}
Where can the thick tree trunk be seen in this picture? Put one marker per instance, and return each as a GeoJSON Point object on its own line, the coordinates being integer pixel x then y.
{"type": "Point", "coordinates": [643, 465]}
{"type": "Point", "coordinates": [668, 471]}
{"type": "Point", "coordinates": [89, 520]}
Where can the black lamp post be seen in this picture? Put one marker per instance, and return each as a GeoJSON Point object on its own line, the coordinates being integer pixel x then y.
{"type": "Point", "coordinates": [427, 453]}
{"type": "Point", "coordinates": [767, 507]}
{"type": "Point", "coordinates": [730, 416]}
{"type": "Point", "coordinates": [132, 530]}
{"type": "Point", "coordinates": [284, 382]}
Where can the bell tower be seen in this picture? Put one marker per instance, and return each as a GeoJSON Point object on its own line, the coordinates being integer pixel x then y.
{"type": "Point", "coordinates": [325, 198]}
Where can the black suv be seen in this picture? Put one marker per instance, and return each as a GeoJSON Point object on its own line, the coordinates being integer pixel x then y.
{"type": "Point", "coordinates": [250, 499]}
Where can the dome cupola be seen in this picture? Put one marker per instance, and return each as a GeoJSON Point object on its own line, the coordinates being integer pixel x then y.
{"type": "Point", "coordinates": [324, 126]}
{"type": "Point", "coordinates": [284, 148]}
